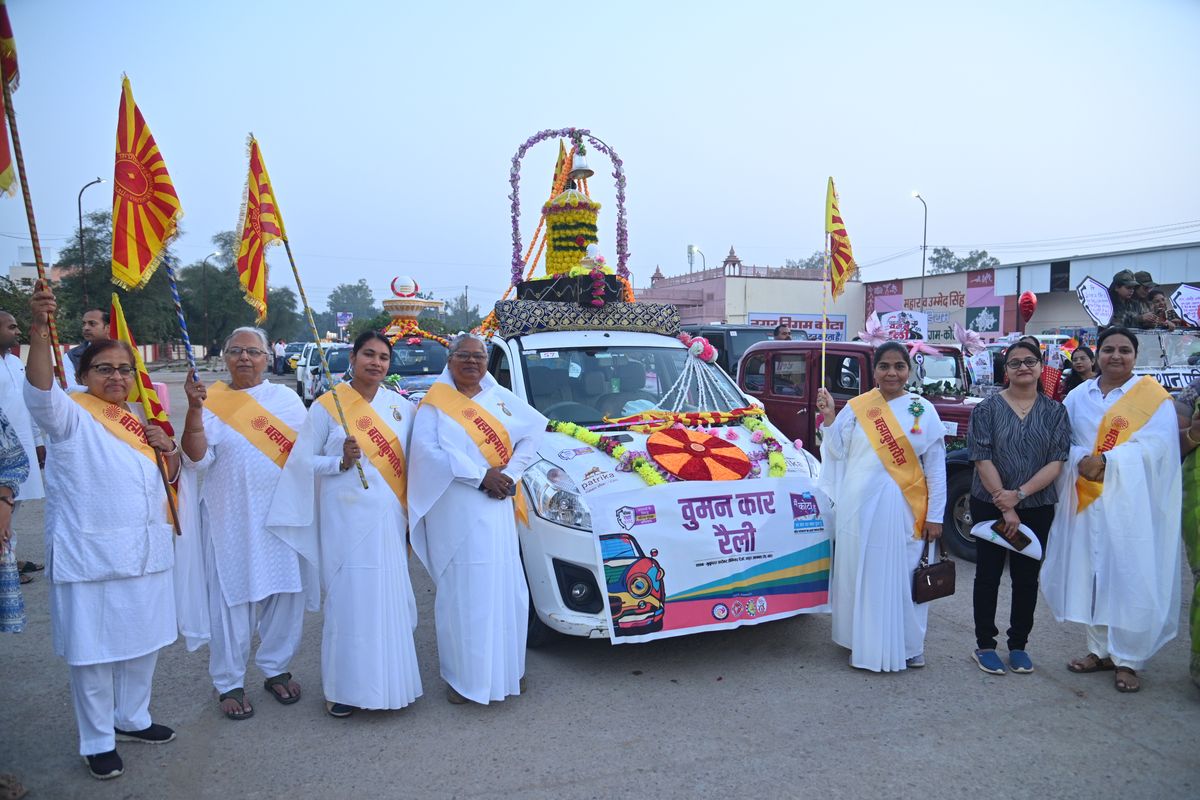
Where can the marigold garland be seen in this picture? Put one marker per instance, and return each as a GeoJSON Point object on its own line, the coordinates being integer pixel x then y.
{"type": "Point", "coordinates": [651, 421]}
{"type": "Point", "coordinates": [409, 329]}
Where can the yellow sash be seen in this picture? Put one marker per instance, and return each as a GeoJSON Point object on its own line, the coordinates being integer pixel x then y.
{"type": "Point", "coordinates": [376, 438]}
{"type": "Point", "coordinates": [1125, 418]}
{"type": "Point", "coordinates": [273, 437]}
{"type": "Point", "coordinates": [487, 432]}
{"type": "Point", "coordinates": [118, 421]}
{"type": "Point", "coordinates": [895, 451]}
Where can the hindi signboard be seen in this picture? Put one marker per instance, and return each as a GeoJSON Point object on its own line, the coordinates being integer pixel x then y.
{"type": "Point", "coordinates": [696, 556]}
{"type": "Point", "coordinates": [344, 318]}
{"type": "Point", "coordinates": [809, 324]}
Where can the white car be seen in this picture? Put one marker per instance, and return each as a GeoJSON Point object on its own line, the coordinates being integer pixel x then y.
{"type": "Point", "coordinates": [581, 377]}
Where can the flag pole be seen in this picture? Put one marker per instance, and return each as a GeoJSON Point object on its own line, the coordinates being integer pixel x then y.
{"type": "Point", "coordinates": [312, 326]}
{"type": "Point", "coordinates": [33, 234]}
{"type": "Point", "coordinates": [187, 340]}
{"type": "Point", "coordinates": [824, 310]}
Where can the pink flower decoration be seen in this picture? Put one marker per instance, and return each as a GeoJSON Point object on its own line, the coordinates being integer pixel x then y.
{"type": "Point", "coordinates": [731, 435]}
{"type": "Point", "coordinates": [756, 437]}
{"type": "Point", "coordinates": [798, 444]}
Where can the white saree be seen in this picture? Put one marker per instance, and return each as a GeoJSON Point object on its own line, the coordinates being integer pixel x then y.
{"type": "Point", "coordinates": [874, 549]}
{"type": "Point", "coordinates": [356, 535]}
{"type": "Point", "coordinates": [468, 542]}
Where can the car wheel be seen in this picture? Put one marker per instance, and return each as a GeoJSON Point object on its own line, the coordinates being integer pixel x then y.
{"type": "Point", "coordinates": [539, 633]}
{"type": "Point", "coordinates": [956, 526]}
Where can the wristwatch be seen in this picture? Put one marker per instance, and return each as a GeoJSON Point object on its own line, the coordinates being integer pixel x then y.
{"type": "Point", "coordinates": [1020, 494]}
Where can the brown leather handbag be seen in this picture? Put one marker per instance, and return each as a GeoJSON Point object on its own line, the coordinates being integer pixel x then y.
{"type": "Point", "coordinates": [931, 581]}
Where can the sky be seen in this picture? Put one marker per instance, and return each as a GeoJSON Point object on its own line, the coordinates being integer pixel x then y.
{"type": "Point", "coordinates": [1032, 129]}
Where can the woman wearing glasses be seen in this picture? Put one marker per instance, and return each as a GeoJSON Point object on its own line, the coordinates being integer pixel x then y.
{"type": "Point", "coordinates": [356, 532]}
{"type": "Point", "coordinates": [108, 553]}
{"type": "Point", "coordinates": [472, 441]}
{"type": "Point", "coordinates": [234, 578]}
{"type": "Point", "coordinates": [1018, 440]}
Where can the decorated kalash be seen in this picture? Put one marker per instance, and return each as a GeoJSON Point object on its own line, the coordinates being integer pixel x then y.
{"type": "Point", "coordinates": [663, 502]}
{"type": "Point", "coordinates": [418, 356]}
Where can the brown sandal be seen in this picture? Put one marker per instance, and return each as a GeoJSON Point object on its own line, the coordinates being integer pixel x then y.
{"type": "Point", "coordinates": [1123, 683]}
{"type": "Point", "coordinates": [1091, 663]}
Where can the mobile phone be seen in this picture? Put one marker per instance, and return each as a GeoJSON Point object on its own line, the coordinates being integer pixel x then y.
{"type": "Point", "coordinates": [1018, 539]}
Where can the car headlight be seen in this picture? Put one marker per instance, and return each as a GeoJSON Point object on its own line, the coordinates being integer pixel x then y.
{"type": "Point", "coordinates": [555, 497]}
{"type": "Point", "coordinates": [639, 586]}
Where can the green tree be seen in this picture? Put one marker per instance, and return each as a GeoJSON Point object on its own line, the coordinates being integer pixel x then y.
{"type": "Point", "coordinates": [356, 298]}
{"type": "Point", "coordinates": [943, 260]}
{"type": "Point", "coordinates": [379, 322]}
{"type": "Point", "coordinates": [150, 310]}
{"type": "Point", "coordinates": [14, 298]}
{"type": "Point", "coordinates": [815, 261]}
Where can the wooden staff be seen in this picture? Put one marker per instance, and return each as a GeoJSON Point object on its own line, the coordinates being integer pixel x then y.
{"type": "Point", "coordinates": [33, 234]}
{"type": "Point", "coordinates": [312, 326]}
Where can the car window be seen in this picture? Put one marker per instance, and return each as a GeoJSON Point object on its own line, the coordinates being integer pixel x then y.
{"type": "Point", "coordinates": [842, 375]}
{"type": "Point", "coordinates": [426, 357]}
{"type": "Point", "coordinates": [788, 374]}
{"type": "Point", "coordinates": [500, 369]}
{"type": "Point", "coordinates": [754, 373]}
{"type": "Point", "coordinates": [616, 547]}
{"type": "Point", "coordinates": [338, 360]}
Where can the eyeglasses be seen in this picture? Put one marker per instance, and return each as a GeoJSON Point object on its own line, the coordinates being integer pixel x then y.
{"type": "Point", "coordinates": [253, 352]}
{"type": "Point", "coordinates": [478, 357]}
{"type": "Point", "coordinates": [1017, 363]}
{"type": "Point", "coordinates": [108, 369]}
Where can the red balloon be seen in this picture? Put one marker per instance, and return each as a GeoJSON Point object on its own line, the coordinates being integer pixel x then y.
{"type": "Point", "coordinates": [1027, 303]}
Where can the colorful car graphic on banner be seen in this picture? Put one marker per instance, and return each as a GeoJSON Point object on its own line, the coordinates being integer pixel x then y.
{"type": "Point", "coordinates": [635, 585]}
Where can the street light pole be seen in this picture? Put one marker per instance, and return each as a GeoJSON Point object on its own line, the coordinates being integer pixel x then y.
{"type": "Point", "coordinates": [692, 250]}
{"type": "Point", "coordinates": [82, 255]}
{"type": "Point", "coordinates": [204, 280]}
{"type": "Point", "coordinates": [924, 239]}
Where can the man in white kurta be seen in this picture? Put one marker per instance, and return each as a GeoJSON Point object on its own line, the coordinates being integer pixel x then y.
{"type": "Point", "coordinates": [235, 577]}
{"type": "Point", "coordinates": [468, 542]}
{"type": "Point", "coordinates": [874, 549]}
{"type": "Point", "coordinates": [357, 536]}
{"type": "Point", "coordinates": [109, 555]}
{"type": "Point", "coordinates": [12, 400]}
{"type": "Point", "coordinates": [1115, 565]}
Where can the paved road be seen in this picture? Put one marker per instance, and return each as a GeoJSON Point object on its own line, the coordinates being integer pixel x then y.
{"type": "Point", "coordinates": [769, 711]}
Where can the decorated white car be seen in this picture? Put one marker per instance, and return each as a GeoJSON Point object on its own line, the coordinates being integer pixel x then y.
{"type": "Point", "coordinates": [663, 502]}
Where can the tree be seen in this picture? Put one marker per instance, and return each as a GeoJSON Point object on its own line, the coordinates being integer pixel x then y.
{"type": "Point", "coordinates": [379, 322]}
{"type": "Point", "coordinates": [14, 298]}
{"type": "Point", "coordinates": [815, 261]}
{"type": "Point", "coordinates": [150, 310]}
{"type": "Point", "coordinates": [356, 298]}
{"type": "Point", "coordinates": [461, 315]}
{"type": "Point", "coordinates": [943, 260]}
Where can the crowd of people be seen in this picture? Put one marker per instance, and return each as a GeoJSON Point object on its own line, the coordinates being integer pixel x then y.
{"type": "Point", "coordinates": [281, 510]}
{"type": "Point", "coordinates": [1072, 475]}
{"type": "Point", "coordinates": [1138, 303]}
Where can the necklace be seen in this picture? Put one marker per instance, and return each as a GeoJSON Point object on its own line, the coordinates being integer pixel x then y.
{"type": "Point", "coordinates": [1022, 411]}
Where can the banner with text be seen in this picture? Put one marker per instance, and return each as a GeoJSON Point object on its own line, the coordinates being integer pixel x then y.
{"type": "Point", "coordinates": [699, 556]}
{"type": "Point", "coordinates": [809, 324]}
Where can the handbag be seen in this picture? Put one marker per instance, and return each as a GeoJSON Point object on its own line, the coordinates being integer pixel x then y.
{"type": "Point", "coordinates": [931, 581]}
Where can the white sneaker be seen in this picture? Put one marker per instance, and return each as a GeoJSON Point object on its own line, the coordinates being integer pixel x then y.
{"type": "Point", "coordinates": [916, 662]}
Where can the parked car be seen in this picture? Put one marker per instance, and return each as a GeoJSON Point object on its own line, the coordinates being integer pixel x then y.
{"type": "Point", "coordinates": [292, 353]}
{"type": "Point", "coordinates": [785, 376]}
{"type": "Point", "coordinates": [731, 341]}
{"type": "Point", "coordinates": [338, 358]}
{"type": "Point", "coordinates": [302, 366]}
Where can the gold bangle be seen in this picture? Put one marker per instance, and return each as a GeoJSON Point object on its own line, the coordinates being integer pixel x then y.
{"type": "Point", "coordinates": [1188, 433]}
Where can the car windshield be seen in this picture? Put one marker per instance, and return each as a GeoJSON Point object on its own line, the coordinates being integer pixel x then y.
{"type": "Point", "coordinates": [339, 359]}
{"type": "Point", "coordinates": [293, 348]}
{"type": "Point", "coordinates": [585, 385]}
{"type": "Point", "coordinates": [426, 358]}
{"type": "Point", "coordinates": [617, 547]}
{"type": "Point", "coordinates": [740, 341]}
{"type": "Point", "coordinates": [1157, 350]}
{"type": "Point", "coordinates": [940, 369]}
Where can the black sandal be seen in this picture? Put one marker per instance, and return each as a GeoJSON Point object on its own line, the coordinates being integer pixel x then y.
{"type": "Point", "coordinates": [238, 695]}
{"type": "Point", "coordinates": [283, 679]}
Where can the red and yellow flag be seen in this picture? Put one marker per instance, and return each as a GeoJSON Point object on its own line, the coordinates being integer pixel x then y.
{"type": "Point", "coordinates": [145, 207]}
{"type": "Point", "coordinates": [9, 74]}
{"type": "Point", "coordinates": [143, 388]}
{"type": "Point", "coordinates": [261, 226]}
{"type": "Point", "coordinates": [841, 257]}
